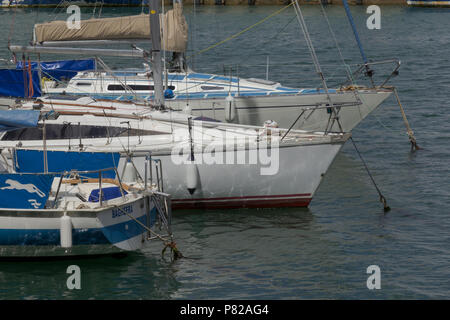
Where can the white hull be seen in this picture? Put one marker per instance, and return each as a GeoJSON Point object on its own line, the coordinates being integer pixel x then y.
{"type": "Point", "coordinates": [254, 100]}
{"type": "Point", "coordinates": [284, 109]}
{"type": "Point", "coordinates": [287, 174]}
{"type": "Point", "coordinates": [299, 173]}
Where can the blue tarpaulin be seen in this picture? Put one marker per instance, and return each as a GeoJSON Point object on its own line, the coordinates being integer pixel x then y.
{"type": "Point", "coordinates": [24, 191]}
{"type": "Point", "coordinates": [60, 70]}
{"type": "Point", "coordinates": [32, 161]}
{"type": "Point", "coordinates": [15, 119]}
{"type": "Point", "coordinates": [108, 194]}
{"type": "Point", "coordinates": [16, 83]}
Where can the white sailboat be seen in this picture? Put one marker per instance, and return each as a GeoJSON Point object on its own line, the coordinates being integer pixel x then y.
{"type": "Point", "coordinates": [234, 166]}
{"type": "Point", "coordinates": [232, 99]}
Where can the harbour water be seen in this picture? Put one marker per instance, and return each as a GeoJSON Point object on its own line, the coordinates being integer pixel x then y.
{"type": "Point", "coordinates": [323, 251]}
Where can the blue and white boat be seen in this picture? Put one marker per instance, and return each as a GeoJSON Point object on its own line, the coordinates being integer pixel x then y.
{"type": "Point", "coordinates": [34, 224]}
{"type": "Point", "coordinates": [429, 3]}
{"type": "Point", "coordinates": [72, 203]}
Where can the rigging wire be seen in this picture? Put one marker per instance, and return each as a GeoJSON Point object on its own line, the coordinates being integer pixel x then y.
{"type": "Point", "coordinates": [60, 7]}
{"type": "Point", "coordinates": [240, 32]}
{"type": "Point", "coordinates": [11, 28]}
{"type": "Point", "coordinates": [304, 28]}
{"type": "Point", "coordinates": [347, 67]}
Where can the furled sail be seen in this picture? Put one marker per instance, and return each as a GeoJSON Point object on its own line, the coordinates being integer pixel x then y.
{"type": "Point", "coordinates": [174, 30]}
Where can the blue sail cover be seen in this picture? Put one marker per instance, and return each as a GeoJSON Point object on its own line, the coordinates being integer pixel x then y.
{"type": "Point", "coordinates": [60, 70]}
{"type": "Point", "coordinates": [15, 83]}
{"type": "Point", "coordinates": [24, 191]}
{"type": "Point", "coordinates": [32, 161]}
{"type": "Point", "coordinates": [16, 119]}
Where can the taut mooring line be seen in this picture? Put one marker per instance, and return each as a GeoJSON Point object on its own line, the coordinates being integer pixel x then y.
{"type": "Point", "coordinates": [382, 198]}
{"type": "Point", "coordinates": [409, 131]}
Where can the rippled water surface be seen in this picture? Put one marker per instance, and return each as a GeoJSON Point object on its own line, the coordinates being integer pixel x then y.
{"type": "Point", "coordinates": [323, 251]}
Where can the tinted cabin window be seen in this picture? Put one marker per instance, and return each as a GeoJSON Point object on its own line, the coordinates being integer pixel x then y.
{"type": "Point", "coordinates": [61, 131]}
{"type": "Point", "coordinates": [135, 87]}
{"type": "Point", "coordinates": [83, 84]}
{"type": "Point", "coordinates": [211, 88]}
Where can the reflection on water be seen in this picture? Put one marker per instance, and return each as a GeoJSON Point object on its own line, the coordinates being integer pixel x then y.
{"type": "Point", "coordinates": [132, 277]}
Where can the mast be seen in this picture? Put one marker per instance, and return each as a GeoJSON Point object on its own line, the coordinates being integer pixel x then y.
{"type": "Point", "coordinates": [156, 53]}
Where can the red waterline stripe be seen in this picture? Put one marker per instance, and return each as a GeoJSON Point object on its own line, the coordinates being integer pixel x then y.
{"type": "Point", "coordinates": [243, 203]}
{"type": "Point", "coordinates": [246, 197]}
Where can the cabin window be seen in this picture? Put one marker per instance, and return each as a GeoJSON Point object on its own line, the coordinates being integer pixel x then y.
{"type": "Point", "coordinates": [211, 88]}
{"type": "Point", "coordinates": [135, 87]}
{"type": "Point", "coordinates": [73, 131]}
{"type": "Point", "coordinates": [84, 84]}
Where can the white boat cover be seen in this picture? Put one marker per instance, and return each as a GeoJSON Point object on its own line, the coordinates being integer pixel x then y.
{"type": "Point", "coordinates": [174, 38]}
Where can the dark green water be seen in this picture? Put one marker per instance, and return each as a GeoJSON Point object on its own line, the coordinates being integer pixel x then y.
{"type": "Point", "coordinates": [323, 251]}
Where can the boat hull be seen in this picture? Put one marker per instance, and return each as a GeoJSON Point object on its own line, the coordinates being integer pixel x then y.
{"type": "Point", "coordinates": [235, 166]}
{"type": "Point", "coordinates": [291, 180]}
{"type": "Point", "coordinates": [37, 233]}
{"type": "Point", "coordinates": [284, 109]}
{"type": "Point", "coordinates": [429, 3]}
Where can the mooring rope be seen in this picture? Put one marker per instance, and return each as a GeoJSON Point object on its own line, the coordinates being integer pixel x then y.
{"type": "Point", "coordinates": [409, 131]}
{"type": "Point", "coordinates": [167, 243]}
{"type": "Point", "coordinates": [382, 198]}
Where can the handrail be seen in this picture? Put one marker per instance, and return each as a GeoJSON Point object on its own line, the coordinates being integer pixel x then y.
{"type": "Point", "coordinates": [394, 72]}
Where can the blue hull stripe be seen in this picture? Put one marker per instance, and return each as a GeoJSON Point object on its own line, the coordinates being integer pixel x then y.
{"type": "Point", "coordinates": [43, 237]}
{"type": "Point", "coordinates": [125, 230]}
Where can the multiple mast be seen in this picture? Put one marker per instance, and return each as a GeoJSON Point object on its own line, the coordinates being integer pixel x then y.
{"type": "Point", "coordinates": [58, 47]}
